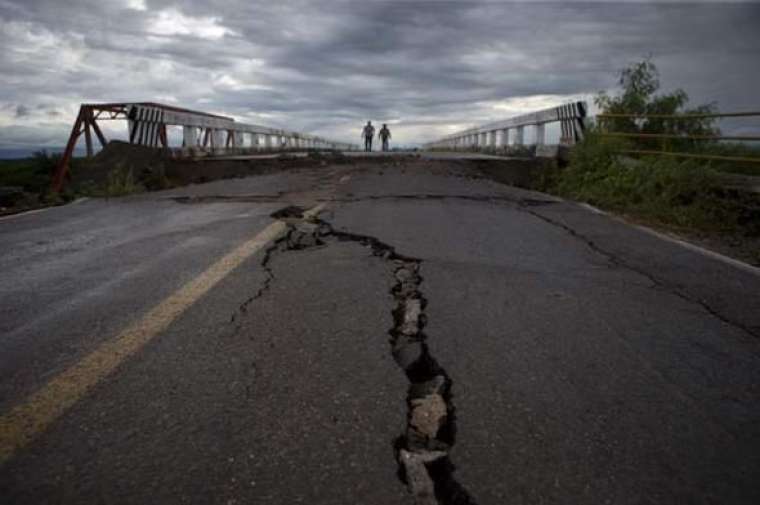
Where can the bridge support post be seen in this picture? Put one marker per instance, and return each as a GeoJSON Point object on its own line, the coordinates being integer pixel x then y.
{"type": "Point", "coordinates": [540, 134]}
{"type": "Point", "coordinates": [217, 139]}
{"type": "Point", "coordinates": [189, 136]}
{"type": "Point", "coordinates": [520, 136]}
{"type": "Point", "coordinates": [504, 137]}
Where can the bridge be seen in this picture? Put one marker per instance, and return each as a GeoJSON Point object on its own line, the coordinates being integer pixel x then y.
{"type": "Point", "coordinates": [350, 328]}
{"type": "Point", "coordinates": [202, 132]}
{"type": "Point", "coordinates": [215, 135]}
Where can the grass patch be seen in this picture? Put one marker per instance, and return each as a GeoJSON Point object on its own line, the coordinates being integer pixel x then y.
{"type": "Point", "coordinates": [683, 194]}
{"type": "Point", "coordinates": [121, 181]}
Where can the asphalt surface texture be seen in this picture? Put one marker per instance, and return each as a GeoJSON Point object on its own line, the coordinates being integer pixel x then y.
{"type": "Point", "coordinates": [526, 349]}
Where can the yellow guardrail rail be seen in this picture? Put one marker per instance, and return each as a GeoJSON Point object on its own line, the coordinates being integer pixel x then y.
{"type": "Point", "coordinates": [604, 119]}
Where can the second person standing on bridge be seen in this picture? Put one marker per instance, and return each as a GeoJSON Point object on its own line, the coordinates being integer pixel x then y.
{"type": "Point", "coordinates": [385, 135]}
{"type": "Point", "coordinates": [368, 132]}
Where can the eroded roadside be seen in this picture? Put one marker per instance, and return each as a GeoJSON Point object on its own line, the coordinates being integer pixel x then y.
{"type": "Point", "coordinates": [423, 450]}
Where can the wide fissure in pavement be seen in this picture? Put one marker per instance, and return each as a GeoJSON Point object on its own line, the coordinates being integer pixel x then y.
{"type": "Point", "coordinates": [422, 451]}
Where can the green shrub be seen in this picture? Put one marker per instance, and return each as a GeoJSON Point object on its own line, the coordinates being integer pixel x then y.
{"type": "Point", "coordinates": [677, 192]}
{"type": "Point", "coordinates": [120, 182]}
{"type": "Point", "coordinates": [638, 94]}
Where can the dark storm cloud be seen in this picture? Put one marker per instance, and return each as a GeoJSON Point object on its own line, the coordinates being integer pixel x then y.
{"type": "Point", "coordinates": [427, 66]}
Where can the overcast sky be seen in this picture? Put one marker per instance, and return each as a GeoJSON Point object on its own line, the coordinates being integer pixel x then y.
{"type": "Point", "coordinates": [427, 68]}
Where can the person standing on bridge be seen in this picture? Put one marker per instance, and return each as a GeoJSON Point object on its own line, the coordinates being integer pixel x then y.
{"type": "Point", "coordinates": [368, 132]}
{"type": "Point", "coordinates": [385, 135]}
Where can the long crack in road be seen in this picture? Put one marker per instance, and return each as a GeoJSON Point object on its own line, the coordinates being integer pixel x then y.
{"type": "Point", "coordinates": [422, 451]}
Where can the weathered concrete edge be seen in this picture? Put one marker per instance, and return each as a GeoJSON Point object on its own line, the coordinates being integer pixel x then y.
{"type": "Point", "coordinates": [741, 265]}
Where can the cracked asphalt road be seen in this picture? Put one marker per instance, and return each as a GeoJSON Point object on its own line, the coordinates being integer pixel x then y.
{"type": "Point", "coordinates": [585, 360]}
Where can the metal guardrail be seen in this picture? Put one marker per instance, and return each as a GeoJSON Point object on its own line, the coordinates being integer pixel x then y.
{"type": "Point", "coordinates": [604, 119]}
{"type": "Point", "coordinates": [497, 135]}
{"type": "Point", "coordinates": [201, 131]}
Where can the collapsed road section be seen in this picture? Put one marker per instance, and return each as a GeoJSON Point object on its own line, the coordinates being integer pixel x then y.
{"type": "Point", "coordinates": [422, 451]}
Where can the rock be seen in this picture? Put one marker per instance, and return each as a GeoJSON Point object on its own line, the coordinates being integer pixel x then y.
{"type": "Point", "coordinates": [304, 235]}
{"type": "Point", "coordinates": [406, 289]}
{"type": "Point", "coordinates": [428, 414]}
{"type": "Point", "coordinates": [418, 442]}
{"type": "Point", "coordinates": [412, 313]}
{"type": "Point", "coordinates": [404, 274]}
{"type": "Point", "coordinates": [417, 477]}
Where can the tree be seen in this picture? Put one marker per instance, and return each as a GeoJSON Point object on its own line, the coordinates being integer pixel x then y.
{"type": "Point", "coordinates": [639, 84]}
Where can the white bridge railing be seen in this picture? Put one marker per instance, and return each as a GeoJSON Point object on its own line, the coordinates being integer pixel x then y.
{"type": "Point", "coordinates": [214, 133]}
{"type": "Point", "coordinates": [496, 135]}
{"type": "Point", "coordinates": [202, 133]}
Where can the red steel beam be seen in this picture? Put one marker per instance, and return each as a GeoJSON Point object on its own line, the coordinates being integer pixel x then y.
{"type": "Point", "coordinates": [63, 165]}
{"type": "Point", "coordinates": [98, 133]}
{"type": "Point", "coordinates": [87, 135]}
{"type": "Point", "coordinates": [162, 136]}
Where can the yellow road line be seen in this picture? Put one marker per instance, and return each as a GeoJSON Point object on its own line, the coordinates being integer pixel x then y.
{"type": "Point", "coordinates": [26, 421]}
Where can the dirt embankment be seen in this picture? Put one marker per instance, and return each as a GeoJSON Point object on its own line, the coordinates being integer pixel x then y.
{"type": "Point", "coordinates": [152, 169]}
